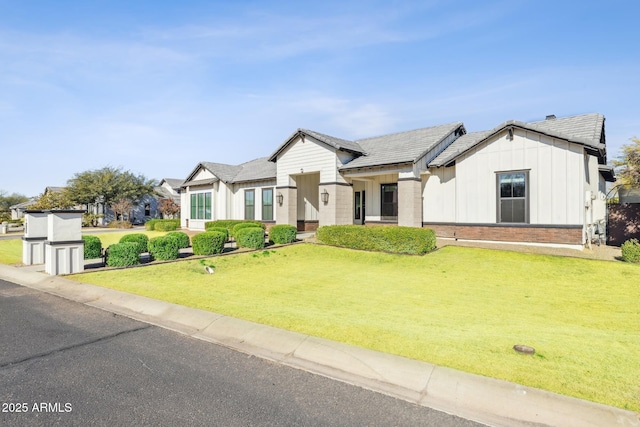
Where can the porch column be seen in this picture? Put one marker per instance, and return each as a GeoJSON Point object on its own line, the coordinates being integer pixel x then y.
{"type": "Point", "coordinates": [339, 207]}
{"type": "Point", "coordinates": [287, 213]}
{"type": "Point", "coordinates": [410, 202]}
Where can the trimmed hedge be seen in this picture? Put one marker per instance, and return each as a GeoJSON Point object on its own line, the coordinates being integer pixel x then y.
{"type": "Point", "coordinates": [149, 225]}
{"type": "Point", "coordinates": [208, 243]}
{"type": "Point", "coordinates": [222, 230]}
{"type": "Point", "coordinates": [249, 237]}
{"type": "Point", "coordinates": [242, 225]}
{"type": "Point", "coordinates": [123, 254]}
{"type": "Point", "coordinates": [183, 238]}
{"type": "Point", "coordinates": [393, 239]}
{"type": "Point", "coordinates": [166, 224]}
{"type": "Point", "coordinates": [164, 247]}
{"type": "Point", "coordinates": [142, 240]}
{"type": "Point", "coordinates": [230, 223]}
{"type": "Point", "coordinates": [282, 233]}
{"type": "Point", "coordinates": [92, 247]}
{"type": "Point", "coordinates": [120, 224]}
{"type": "Point", "coordinates": [631, 250]}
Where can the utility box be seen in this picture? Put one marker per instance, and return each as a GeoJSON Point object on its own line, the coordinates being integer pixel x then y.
{"type": "Point", "coordinates": [35, 234]}
{"type": "Point", "coordinates": [64, 247]}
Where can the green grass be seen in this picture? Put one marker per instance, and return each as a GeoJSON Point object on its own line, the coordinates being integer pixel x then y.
{"type": "Point", "coordinates": [458, 307]}
{"type": "Point", "coordinates": [11, 250]}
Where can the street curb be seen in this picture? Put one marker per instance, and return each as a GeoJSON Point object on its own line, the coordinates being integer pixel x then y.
{"type": "Point", "coordinates": [485, 400]}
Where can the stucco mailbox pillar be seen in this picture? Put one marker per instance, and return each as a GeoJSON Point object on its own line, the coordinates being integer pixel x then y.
{"type": "Point", "coordinates": [64, 247]}
{"type": "Point", "coordinates": [35, 235]}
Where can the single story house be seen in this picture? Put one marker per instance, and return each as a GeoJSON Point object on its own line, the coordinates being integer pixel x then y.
{"type": "Point", "coordinates": [539, 182]}
{"type": "Point", "coordinates": [17, 211]}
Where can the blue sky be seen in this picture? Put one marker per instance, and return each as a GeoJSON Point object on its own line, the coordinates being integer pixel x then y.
{"type": "Point", "coordinates": [155, 87]}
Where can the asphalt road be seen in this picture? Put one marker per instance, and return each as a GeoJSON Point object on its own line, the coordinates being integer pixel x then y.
{"type": "Point", "coordinates": [64, 363]}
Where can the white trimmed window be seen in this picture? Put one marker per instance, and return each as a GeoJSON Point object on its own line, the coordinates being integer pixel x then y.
{"type": "Point", "coordinates": [267, 204]}
{"type": "Point", "coordinates": [513, 197]}
{"type": "Point", "coordinates": [201, 205]}
{"type": "Point", "coordinates": [249, 204]}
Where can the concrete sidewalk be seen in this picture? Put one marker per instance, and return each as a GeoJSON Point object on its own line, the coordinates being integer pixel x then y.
{"type": "Point", "coordinates": [486, 400]}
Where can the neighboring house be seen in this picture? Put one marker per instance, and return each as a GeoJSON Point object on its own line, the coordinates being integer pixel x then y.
{"type": "Point", "coordinates": [148, 207]}
{"type": "Point", "coordinates": [144, 210]}
{"type": "Point", "coordinates": [540, 182]}
{"type": "Point", "coordinates": [17, 211]}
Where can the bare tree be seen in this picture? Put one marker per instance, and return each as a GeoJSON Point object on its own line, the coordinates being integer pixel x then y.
{"type": "Point", "coordinates": [122, 207]}
{"type": "Point", "coordinates": [168, 208]}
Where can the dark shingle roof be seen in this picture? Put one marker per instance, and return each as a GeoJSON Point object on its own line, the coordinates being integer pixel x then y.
{"type": "Point", "coordinates": [459, 146]}
{"type": "Point", "coordinates": [587, 129]}
{"type": "Point", "coordinates": [254, 170]}
{"type": "Point", "coordinates": [403, 147]}
{"type": "Point", "coordinates": [224, 172]}
{"type": "Point", "coordinates": [173, 182]}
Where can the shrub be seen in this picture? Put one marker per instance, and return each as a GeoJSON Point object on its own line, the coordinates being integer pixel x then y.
{"type": "Point", "coordinates": [140, 239]}
{"type": "Point", "coordinates": [393, 239]}
{"type": "Point", "coordinates": [164, 247]}
{"type": "Point", "coordinates": [221, 230]}
{"type": "Point", "coordinates": [120, 224]}
{"type": "Point", "coordinates": [150, 225]}
{"type": "Point", "coordinates": [208, 243]}
{"type": "Point", "coordinates": [229, 224]}
{"type": "Point", "coordinates": [242, 225]}
{"type": "Point", "coordinates": [282, 233]}
{"type": "Point", "coordinates": [91, 220]}
{"type": "Point", "coordinates": [92, 247]}
{"type": "Point", "coordinates": [631, 250]}
{"type": "Point", "coordinates": [123, 254]}
{"type": "Point", "coordinates": [166, 224]}
{"type": "Point", "coordinates": [249, 237]}
{"type": "Point", "coordinates": [183, 238]}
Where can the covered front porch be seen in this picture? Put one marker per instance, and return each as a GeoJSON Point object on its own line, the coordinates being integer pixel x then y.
{"type": "Point", "coordinates": [364, 199]}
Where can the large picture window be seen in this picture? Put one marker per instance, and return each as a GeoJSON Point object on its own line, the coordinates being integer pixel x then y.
{"type": "Point", "coordinates": [513, 197]}
{"type": "Point", "coordinates": [201, 205]}
{"type": "Point", "coordinates": [249, 204]}
{"type": "Point", "coordinates": [267, 204]}
{"type": "Point", "coordinates": [389, 201]}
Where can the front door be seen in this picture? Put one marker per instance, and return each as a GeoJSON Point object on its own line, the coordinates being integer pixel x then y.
{"type": "Point", "coordinates": [359, 207]}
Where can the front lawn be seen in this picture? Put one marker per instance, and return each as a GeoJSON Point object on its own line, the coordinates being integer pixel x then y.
{"type": "Point", "coordinates": [463, 308]}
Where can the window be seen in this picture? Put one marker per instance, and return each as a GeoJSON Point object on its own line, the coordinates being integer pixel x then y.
{"type": "Point", "coordinates": [267, 204]}
{"type": "Point", "coordinates": [249, 204]}
{"type": "Point", "coordinates": [389, 201]}
{"type": "Point", "coordinates": [357, 205]}
{"type": "Point", "coordinates": [147, 209]}
{"type": "Point", "coordinates": [201, 206]}
{"type": "Point", "coordinates": [513, 197]}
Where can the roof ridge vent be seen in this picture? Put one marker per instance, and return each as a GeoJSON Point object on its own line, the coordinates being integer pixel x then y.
{"type": "Point", "coordinates": [550, 117]}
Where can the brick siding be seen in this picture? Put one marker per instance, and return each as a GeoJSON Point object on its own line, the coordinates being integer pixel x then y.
{"type": "Point", "coordinates": [510, 233]}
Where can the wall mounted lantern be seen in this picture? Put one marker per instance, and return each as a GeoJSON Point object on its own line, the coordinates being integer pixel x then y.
{"type": "Point", "coordinates": [325, 196]}
{"type": "Point", "coordinates": [280, 198]}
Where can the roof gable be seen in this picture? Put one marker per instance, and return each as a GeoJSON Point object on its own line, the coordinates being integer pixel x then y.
{"type": "Point", "coordinates": [587, 130]}
{"type": "Point", "coordinates": [331, 141]}
{"type": "Point", "coordinates": [254, 170]}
